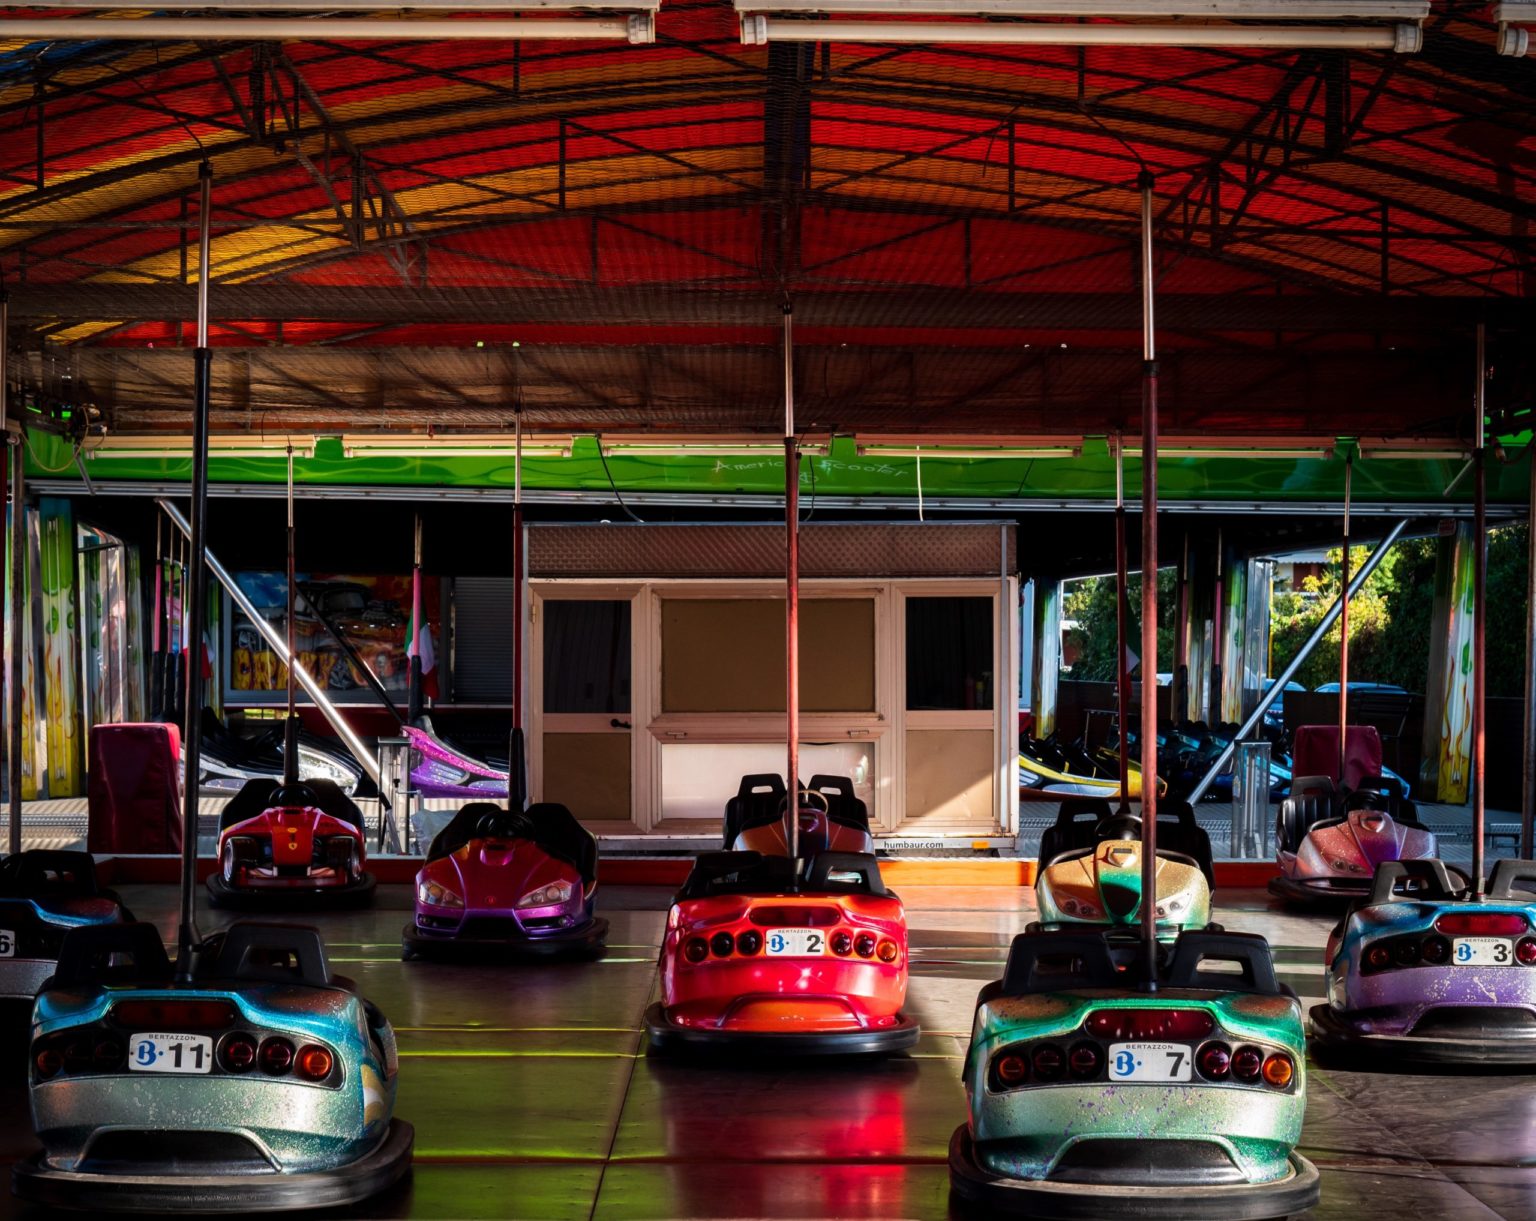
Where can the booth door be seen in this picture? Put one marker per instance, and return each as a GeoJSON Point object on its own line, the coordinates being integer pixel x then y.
{"type": "Point", "coordinates": [584, 697]}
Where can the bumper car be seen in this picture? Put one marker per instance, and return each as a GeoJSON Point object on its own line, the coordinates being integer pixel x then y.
{"type": "Point", "coordinates": [790, 956]}
{"type": "Point", "coordinates": [439, 769]}
{"type": "Point", "coordinates": [298, 845]}
{"type": "Point", "coordinates": [1089, 1099]}
{"type": "Point", "coordinates": [514, 883]}
{"type": "Point", "coordinates": [1424, 971]}
{"type": "Point", "coordinates": [1090, 872]}
{"type": "Point", "coordinates": [227, 763]}
{"type": "Point", "coordinates": [1046, 770]}
{"type": "Point", "coordinates": [265, 1083]}
{"type": "Point", "coordinates": [1329, 850]}
{"type": "Point", "coordinates": [831, 817]}
{"type": "Point", "coordinates": [44, 895]}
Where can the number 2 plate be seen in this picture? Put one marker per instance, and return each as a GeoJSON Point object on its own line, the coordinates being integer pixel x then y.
{"type": "Point", "coordinates": [170, 1053]}
{"type": "Point", "coordinates": [1149, 1062]}
{"type": "Point", "coordinates": [1482, 951]}
{"type": "Point", "coordinates": [796, 943]}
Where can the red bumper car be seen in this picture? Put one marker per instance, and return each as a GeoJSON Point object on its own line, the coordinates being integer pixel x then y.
{"type": "Point", "coordinates": [791, 956]}
{"type": "Point", "coordinates": [298, 845]}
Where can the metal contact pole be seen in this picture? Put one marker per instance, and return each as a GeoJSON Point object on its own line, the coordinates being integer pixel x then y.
{"type": "Point", "coordinates": [1349, 466]}
{"type": "Point", "coordinates": [1479, 609]}
{"type": "Point", "coordinates": [15, 467]}
{"type": "Point", "coordinates": [517, 762]}
{"type": "Point", "coordinates": [366, 759]}
{"type": "Point", "coordinates": [1122, 630]}
{"type": "Point", "coordinates": [291, 722]}
{"type": "Point", "coordinates": [1148, 593]}
{"type": "Point", "coordinates": [791, 589]}
{"type": "Point", "coordinates": [1528, 769]}
{"type": "Point", "coordinates": [414, 700]}
{"type": "Point", "coordinates": [186, 935]}
{"type": "Point", "coordinates": [1277, 684]}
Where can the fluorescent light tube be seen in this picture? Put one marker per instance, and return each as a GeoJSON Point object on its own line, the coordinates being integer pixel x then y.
{"type": "Point", "coordinates": [1404, 38]}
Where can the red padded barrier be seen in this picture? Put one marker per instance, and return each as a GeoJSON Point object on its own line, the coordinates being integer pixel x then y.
{"type": "Point", "coordinates": [1316, 753]}
{"type": "Point", "coordinates": [134, 796]}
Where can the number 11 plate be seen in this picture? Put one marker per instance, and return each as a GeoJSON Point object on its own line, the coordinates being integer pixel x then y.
{"type": "Point", "coordinates": [796, 943]}
{"type": "Point", "coordinates": [170, 1053]}
{"type": "Point", "coordinates": [1149, 1062]}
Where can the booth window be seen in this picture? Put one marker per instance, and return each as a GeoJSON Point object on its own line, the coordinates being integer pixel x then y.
{"type": "Point", "coordinates": [949, 654]}
{"type": "Point", "coordinates": [586, 655]}
{"type": "Point", "coordinates": [727, 655]}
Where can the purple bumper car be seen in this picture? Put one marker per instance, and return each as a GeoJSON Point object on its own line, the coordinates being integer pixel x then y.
{"type": "Point", "coordinates": [1425, 971]}
{"type": "Point", "coordinates": [508, 883]}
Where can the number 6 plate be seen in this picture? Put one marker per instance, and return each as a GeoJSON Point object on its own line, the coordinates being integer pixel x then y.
{"type": "Point", "coordinates": [795, 943]}
{"type": "Point", "coordinates": [1149, 1062]}
{"type": "Point", "coordinates": [170, 1053]}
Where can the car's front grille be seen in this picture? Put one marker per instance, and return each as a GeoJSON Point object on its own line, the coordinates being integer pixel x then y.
{"type": "Point", "coordinates": [491, 928]}
{"type": "Point", "coordinates": [1476, 1021]}
{"type": "Point", "coordinates": [1147, 1163]}
{"type": "Point", "coordinates": [159, 1152]}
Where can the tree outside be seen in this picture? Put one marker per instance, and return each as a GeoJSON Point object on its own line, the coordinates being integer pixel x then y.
{"type": "Point", "coordinates": [1091, 602]}
{"type": "Point", "coordinates": [1389, 619]}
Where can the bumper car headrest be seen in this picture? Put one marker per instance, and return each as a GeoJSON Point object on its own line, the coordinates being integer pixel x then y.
{"type": "Point", "coordinates": [299, 794]}
{"type": "Point", "coordinates": [45, 873]}
{"type": "Point", "coordinates": [1250, 952]}
{"type": "Point", "coordinates": [1513, 880]}
{"type": "Point", "coordinates": [111, 954]}
{"type": "Point", "coordinates": [265, 793]}
{"type": "Point", "coordinates": [1120, 827]}
{"type": "Point", "coordinates": [271, 953]}
{"type": "Point", "coordinates": [1425, 880]}
{"type": "Point", "coordinates": [759, 801]}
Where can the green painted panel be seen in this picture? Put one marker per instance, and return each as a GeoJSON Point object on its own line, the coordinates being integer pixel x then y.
{"type": "Point", "coordinates": [842, 472]}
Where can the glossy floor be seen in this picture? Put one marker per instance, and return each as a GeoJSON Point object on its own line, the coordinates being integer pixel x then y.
{"type": "Point", "coordinates": [532, 1096]}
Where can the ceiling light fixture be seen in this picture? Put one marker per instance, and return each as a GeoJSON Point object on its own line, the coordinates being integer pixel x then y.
{"type": "Point", "coordinates": [948, 451]}
{"type": "Point", "coordinates": [174, 448]}
{"type": "Point", "coordinates": [706, 449]}
{"type": "Point", "coordinates": [1509, 16]}
{"type": "Point", "coordinates": [634, 22]}
{"type": "Point", "coordinates": [1443, 455]}
{"type": "Point", "coordinates": [1217, 451]}
{"type": "Point", "coordinates": [462, 445]}
{"type": "Point", "coordinates": [1395, 24]}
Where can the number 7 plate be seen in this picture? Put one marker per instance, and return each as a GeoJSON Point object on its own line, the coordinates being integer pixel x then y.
{"type": "Point", "coordinates": [170, 1053]}
{"type": "Point", "coordinates": [1149, 1062]}
{"type": "Point", "coordinates": [796, 943]}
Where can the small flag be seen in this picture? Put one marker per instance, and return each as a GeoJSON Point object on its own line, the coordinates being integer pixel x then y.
{"type": "Point", "coordinates": [418, 637]}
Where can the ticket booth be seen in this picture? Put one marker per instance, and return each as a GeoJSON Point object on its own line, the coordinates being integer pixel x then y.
{"type": "Point", "coordinates": [657, 675]}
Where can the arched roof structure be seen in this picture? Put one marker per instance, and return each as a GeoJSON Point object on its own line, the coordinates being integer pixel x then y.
{"type": "Point", "coordinates": [423, 234]}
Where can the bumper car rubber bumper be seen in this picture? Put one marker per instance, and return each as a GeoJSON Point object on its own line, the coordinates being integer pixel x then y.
{"type": "Point", "coordinates": [1330, 1034]}
{"type": "Point", "coordinates": [664, 1037]}
{"type": "Point", "coordinates": [586, 941]}
{"type": "Point", "coordinates": [1323, 891]}
{"type": "Point", "coordinates": [1076, 1201]}
{"type": "Point", "coordinates": [169, 1194]}
{"type": "Point", "coordinates": [291, 898]}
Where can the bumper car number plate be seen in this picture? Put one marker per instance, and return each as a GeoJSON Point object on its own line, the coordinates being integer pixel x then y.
{"type": "Point", "coordinates": [7, 943]}
{"type": "Point", "coordinates": [170, 1053]}
{"type": "Point", "coordinates": [1482, 951]}
{"type": "Point", "coordinates": [1149, 1062]}
{"type": "Point", "coordinates": [796, 943]}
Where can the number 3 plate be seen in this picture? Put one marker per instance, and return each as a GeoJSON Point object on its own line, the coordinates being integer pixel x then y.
{"type": "Point", "coordinates": [1482, 952]}
{"type": "Point", "coordinates": [1149, 1062]}
{"type": "Point", "coordinates": [796, 943]}
{"type": "Point", "coordinates": [170, 1053]}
